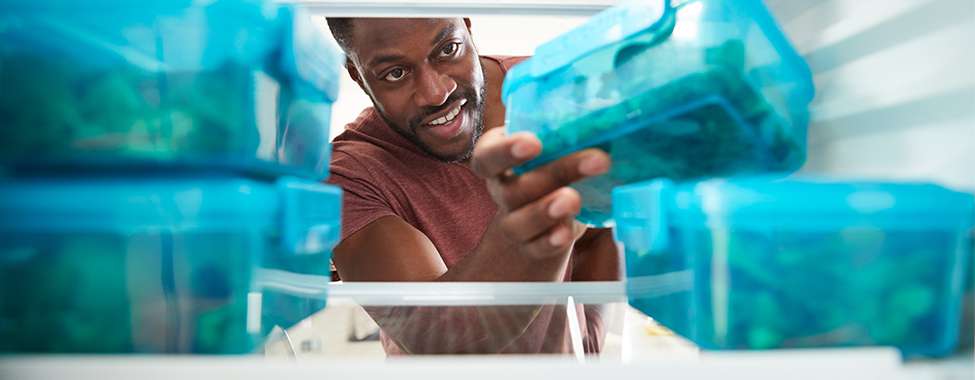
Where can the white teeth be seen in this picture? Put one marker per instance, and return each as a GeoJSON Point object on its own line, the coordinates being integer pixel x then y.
{"type": "Point", "coordinates": [450, 116]}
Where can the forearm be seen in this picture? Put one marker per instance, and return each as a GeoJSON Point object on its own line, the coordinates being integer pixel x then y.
{"type": "Point", "coordinates": [496, 259]}
{"type": "Point", "coordinates": [481, 329]}
{"type": "Point", "coordinates": [595, 337]}
{"type": "Point", "coordinates": [471, 329]}
{"type": "Point", "coordinates": [596, 257]}
{"type": "Point", "coordinates": [454, 329]}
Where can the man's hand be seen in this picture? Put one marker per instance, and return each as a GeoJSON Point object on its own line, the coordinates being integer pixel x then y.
{"type": "Point", "coordinates": [529, 239]}
{"type": "Point", "coordinates": [537, 209]}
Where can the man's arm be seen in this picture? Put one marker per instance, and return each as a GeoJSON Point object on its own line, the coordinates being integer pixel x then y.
{"type": "Point", "coordinates": [528, 240]}
{"type": "Point", "coordinates": [596, 257]}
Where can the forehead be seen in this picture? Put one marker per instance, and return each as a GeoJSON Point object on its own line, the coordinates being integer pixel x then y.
{"type": "Point", "coordinates": [399, 36]}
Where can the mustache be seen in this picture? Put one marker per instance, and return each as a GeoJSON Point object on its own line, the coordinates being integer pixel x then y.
{"type": "Point", "coordinates": [430, 110]}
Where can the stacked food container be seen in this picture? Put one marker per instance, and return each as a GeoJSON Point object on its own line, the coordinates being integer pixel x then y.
{"type": "Point", "coordinates": [688, 91]}
{"type": "Point", "coordinates": [157, 157]}
{"type": "Point", "coordinates": [683, 90]}
{"type": "Point", "coordinates": [766, 262]}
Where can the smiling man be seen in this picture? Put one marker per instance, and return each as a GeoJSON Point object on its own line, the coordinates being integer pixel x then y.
{"type": "Point", "coordinates": [429, 194]}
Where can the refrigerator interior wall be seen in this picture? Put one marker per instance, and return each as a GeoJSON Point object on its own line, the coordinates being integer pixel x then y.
{"type": "Point", "coordinates": [895, 88]}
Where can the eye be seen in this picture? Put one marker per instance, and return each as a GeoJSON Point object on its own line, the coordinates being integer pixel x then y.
{"type": "Point", "coordinates": [394, 75]}
{"type": "Point", "coordinates": [449, 49]}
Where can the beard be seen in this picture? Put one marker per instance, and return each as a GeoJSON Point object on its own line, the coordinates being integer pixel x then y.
{"type": "Point", "coordinates": [477, 98]}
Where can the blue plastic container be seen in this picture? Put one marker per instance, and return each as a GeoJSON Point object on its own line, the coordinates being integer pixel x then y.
{"type": "Point", "coordinates": [237, 85]}
{"type": "Point", "coordinates": [758, 263]}
{"type": "Point", "coordinates": [707, 88]}
{"type": "Point", "coordinates": [151, 265]}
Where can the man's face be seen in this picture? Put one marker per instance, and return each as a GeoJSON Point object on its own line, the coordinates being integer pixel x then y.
{"type": "Point", "coordinates": [425, 79]}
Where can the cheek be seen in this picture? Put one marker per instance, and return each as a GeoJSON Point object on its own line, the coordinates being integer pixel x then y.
{"type": "Point", "coordinates": [390, 103]}
{"type": "Point", "coordinates": [470, 74]}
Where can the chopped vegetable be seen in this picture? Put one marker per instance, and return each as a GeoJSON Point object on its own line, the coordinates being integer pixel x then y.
{"type": "Point", "coordinates": [105, 293]}
{"type": "Point", "coordinates": [659, 120]}
{"type": "Point", "coordinates": [784, 289]}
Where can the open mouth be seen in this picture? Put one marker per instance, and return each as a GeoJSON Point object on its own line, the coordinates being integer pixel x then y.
{"type": "Point", "coordinates": [448, 124]}
{"type": "Point", "coordinates": [448, 117]}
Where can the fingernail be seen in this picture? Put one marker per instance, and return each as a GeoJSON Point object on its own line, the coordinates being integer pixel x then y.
{"type": "Point", "coordinates": [594, 164]}
{"type": "Point", "coordinates": [560, 207]}
{"type": "Point", "coordinates": [559, 237]}
{"type": "Point", "coordinates": [522, 150]}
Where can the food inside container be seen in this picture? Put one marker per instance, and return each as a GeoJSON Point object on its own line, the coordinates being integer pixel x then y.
{"type": "Point", "coordinates": [707, 88]}
{"type": "Point", "coordinates": [760, 263]}
{"type": "Point", "coordinates": [107, 85]}
{"type": "Point", "coordinates": [156, 265]}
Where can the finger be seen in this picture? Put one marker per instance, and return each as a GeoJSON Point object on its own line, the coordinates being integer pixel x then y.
{"type": "Point", "coordinates": [495, 153]}
{"type": "Point", "coordinates": [578, 229]}
{"type": "Point", "coordinates": [553, 242]}
{"type": "Point", "coordinates": [537, 183]}
{"type": "Point", "coordinates": [534, 219]}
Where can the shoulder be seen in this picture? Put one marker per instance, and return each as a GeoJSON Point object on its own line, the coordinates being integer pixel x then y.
{"type": "Point", "coordinates": [361, 140]}
{"type": "Point", "coordinates": [495, 66]}
{"type": "Point", "coordinates": [366, 125]}
{"type": "Point", "coordinates": [369, 150]}
{"type": "Point", "coordinates": [506, 61]}
{"type": "Point", "coordinates": [365, 136]}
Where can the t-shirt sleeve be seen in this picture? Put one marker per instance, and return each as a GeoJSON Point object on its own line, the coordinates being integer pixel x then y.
{"type": "Point", "coordinates": [362, 201]}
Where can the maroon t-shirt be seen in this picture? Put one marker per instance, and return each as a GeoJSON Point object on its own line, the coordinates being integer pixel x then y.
{"type": "Point", "coordinates": [383, 174]}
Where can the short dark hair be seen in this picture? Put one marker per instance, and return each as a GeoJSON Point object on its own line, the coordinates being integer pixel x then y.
{"type": "Point", "coordinates": [341, 28]}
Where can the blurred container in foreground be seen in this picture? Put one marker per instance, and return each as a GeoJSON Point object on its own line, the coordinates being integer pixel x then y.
{"type": "Point", "coordinates": [758, 263]}
{"type": "Point", "coordinates": [150, 265]}
{"type": "Point", "coordinates": [239, 85]}
{"type": "Point", "coordinates": [706, 88]}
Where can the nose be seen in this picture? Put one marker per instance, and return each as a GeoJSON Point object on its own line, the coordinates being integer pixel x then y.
{"type": "Point", "coordinates": [433, 87]}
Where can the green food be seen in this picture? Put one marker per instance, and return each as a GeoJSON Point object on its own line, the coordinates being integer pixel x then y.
{"type": "Point", "coordinates": [65, 296]}
{"type": "Point", "coordinates": [104, 293]}
{"type": "Point", "coordinates": [694, 117]}
{"type": "Point", "coordinates": [791, 289]}
{"type": "Point", "coordinates": [54, 110]}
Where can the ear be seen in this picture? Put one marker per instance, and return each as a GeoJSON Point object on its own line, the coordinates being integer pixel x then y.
{"type": "Point", "coordinates": [354, 72]}
{"type": "Point", "coordinates": [467, 21]}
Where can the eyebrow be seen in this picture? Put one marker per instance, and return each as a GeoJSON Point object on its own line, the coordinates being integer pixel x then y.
{"type": "Point", "coordinates": [381, 59]}
{"type": "Point", "coordinates": [446, 31]}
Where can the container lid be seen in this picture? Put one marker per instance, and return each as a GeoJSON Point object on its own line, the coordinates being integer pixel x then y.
{"type": "Point", "coordinates": [799, 202]}
{"type": "Point", "coordinates": [129, 205]}
{"type": "Point", "coordinates": [311, 216]}
{"type": "Point", "coordinates": [155, 35]}
{"type": "Point", "coordinates": [628, 18]}
{"type": "Point", "coordinates": [809, 195]}
{"type": "Point", "coordinates": [307, 55]}
{"type": "Point", "coordinates": [612, 25]}
{"type": "Point", "coordinates": [74, 4]}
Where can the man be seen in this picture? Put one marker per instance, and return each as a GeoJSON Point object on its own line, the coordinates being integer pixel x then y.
{"type": "Point", "coordinates": [428, 197]}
